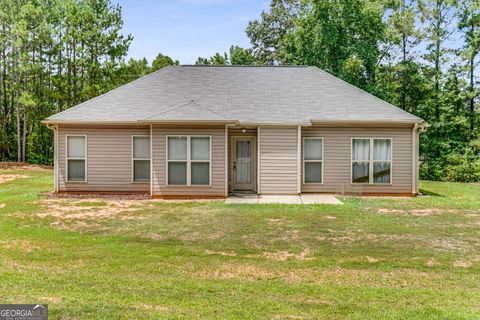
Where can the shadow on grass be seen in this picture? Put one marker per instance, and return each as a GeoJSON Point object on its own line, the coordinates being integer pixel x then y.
{"type": "Point", "coordinates": [430, 193]}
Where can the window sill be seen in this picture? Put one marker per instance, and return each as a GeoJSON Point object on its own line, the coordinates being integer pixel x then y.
{"type": "Point", "coordinates": [370, 184]}
{"type": "Point", "coordinates": [185, 186]}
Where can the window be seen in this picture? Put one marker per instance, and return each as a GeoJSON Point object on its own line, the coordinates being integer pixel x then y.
{"type": "Point", "coordinates": [76, 158]}
{"type": "Point", "coordinates": [188, 160]}
{"type": "Point", "coordinates": [141, 158]}
{"type": "Point", "coordinates": [312, 160]}
{"type": "Point", "coordinates": [371, 160]}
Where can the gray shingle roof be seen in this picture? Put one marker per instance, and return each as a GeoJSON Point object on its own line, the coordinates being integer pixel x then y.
{"type": "Point", "coordinates": [248, 94]}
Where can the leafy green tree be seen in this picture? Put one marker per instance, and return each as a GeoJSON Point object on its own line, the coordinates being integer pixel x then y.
{"type": "Point", "coordinates": [341, 37]}
{"type": "Point", "coordinates": [402, 38]}
{"type": "Point", "coordinates": [469, 24]}
{"type": "Point", "coordinates": [162, 61]}
{"type": "Point", "coordinates": [237, 56]}
{"type": "Point", "coordinates": [267, 33]}
{"type": "Point", "coordinates": [241, 56]}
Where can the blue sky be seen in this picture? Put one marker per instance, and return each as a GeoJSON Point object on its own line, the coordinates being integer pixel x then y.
{"type": "Point", "coordinates": [187, 29]}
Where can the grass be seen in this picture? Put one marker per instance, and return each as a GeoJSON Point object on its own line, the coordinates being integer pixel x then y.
{"type": "Point", "coordinates": [368, 259]}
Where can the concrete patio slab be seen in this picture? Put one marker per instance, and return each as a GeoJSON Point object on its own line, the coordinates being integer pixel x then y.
{"type": "Point", "coordinates": [284, 199]}
{"type": "Point", "coordinates": [281, 199]}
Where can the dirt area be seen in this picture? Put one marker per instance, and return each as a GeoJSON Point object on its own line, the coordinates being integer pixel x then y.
{"type": "Point", "coordinates": [91, 208]}
{"type": "Point", "coordinates": [426, 212]}
{"type": "Point", "coordinates": [306, 254]}
{"type": "Point", "coordinates": [23, 245]}
{"type": "Point", "coordinates": [462, 264]}
{"type": "Point", "coordinates": [9, 177]}
{"type": "Point", "coordinates": [401, 278]}
{"type": "Point", "coordinates": [103, 196]}
{"type": "Point", "coordinates": [23, 166]}
{"type": "Point", "coordinates": [222, 253]}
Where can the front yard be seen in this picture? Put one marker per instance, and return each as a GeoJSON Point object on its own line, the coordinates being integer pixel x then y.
{"type": "Point", "coordinates": [367, 259]}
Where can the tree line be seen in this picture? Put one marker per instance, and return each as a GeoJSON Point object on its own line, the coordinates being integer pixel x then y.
{"type": "Point", "coordinates": [420, 55]}
{"type": "Point", "coordinates": [54, 55]}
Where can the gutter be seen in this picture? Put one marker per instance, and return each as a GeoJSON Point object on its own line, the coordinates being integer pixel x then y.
{"type": "Point", "coordinates": [366, 122]}
{"type": "Point", "coordinates": [137, 122]}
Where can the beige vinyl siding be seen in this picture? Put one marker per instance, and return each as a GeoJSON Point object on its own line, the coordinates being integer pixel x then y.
{"type": "Point", "coordinates": [337, 159]}
{"type": "Point", "coordinates": [278, 160]}
{"type": "Point", "coordinates": [109, 158]}
{"type": "Point", "coordinates": [160, 187]}
{"type": "Point", "coordinates": [237, 132]}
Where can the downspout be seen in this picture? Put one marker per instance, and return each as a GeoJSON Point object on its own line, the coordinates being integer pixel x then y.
{"type": "Point", "coordinates": [258, 161]}
{"type": "Point", "coordinates": [54, 128]}
{"type": "Point", "coordinates": [422, 127]}
{"type": "Point", "coordinates": [299, 159]}
{"type": "Point", "coordinates": [151, 161]}
{"type": "Point", "coordinates": [414, 160]}
{"type": "Point", "coordinates": [226, 160]}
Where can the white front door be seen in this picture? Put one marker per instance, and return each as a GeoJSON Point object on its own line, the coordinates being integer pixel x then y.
{"type": "Point", "coordinates": [243, 163]}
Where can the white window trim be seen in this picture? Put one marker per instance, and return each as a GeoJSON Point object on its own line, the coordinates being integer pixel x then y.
{"type": "Point", "coordinates": [67, 158]}
{"type": "Point", "coordinates": [321, 161]}
{"type": "Point", "coordinates": [189, 161]}
{"type": "Point", "coordinates": [371, 161]}
{"type": "Point", "coordinates": [132, 178]}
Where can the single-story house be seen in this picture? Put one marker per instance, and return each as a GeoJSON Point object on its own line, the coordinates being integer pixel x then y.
{"type": "Point", "coordinates": [210, 131]}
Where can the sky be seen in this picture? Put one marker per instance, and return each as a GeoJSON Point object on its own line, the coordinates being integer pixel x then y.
{"type": "Point", "coordinates": [187, 29]}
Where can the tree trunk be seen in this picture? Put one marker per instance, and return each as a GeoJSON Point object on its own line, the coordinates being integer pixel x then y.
{"type": "Point", "coordinates": [403, 98]}
{"type": "Point", "coordinates": [472, 89]}
{"type": "Point", "coordinates": [19, 132]}
{"type": "Point", "coordinates": [24, 137]}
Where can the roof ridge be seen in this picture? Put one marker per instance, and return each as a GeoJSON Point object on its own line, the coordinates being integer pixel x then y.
{"type": "Point", "coordinates": [186, 104]}
{"type": "Point", "coordinates": [363, 91]}
{"type": "Point", "coordinates": [209, 109]}
{"type": "Point", "coordinates": [109, 92]}
{"type": "Point", "coordinates": [243, 66]}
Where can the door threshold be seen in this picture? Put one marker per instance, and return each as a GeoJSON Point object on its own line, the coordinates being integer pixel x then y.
{"type": "Point", "coordinates": [243, 193]}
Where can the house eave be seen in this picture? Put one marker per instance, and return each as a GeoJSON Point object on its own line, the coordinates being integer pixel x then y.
{"type": "Point", "coordinates": [136, 122]}
{"type": "Point", "coordinates": [369, 122]}
{"type": "Point", "coordinates": [180, 121]}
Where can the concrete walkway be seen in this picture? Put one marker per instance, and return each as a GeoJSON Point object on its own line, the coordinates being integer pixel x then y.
{"type": "Point", "coordinates": [284, 199]}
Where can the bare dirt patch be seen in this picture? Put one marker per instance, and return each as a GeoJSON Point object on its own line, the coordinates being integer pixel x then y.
{"type": "Point", "coordinates": [285, 255]}
{"type": "Point", "coordinates": [97, 196]}
{"type": "Point", "coordinates": [432, 262]}
{"type": "Point", "coordinates": [231, 271]}
{"type": "Point", "coordinates": [462, 264]}
{"type": "Point", "coordinates": [401, 278]}
{"type": "Point", "coordinates": [22, 166]}
{"type": "Point", "coordinates": [221, 253]}
{"type": "Point", "coordinates": [23, 245]}
{"type": "Point", "coordinates": [9, 177]}
{"type": "Point", "coordinates": [425, 212]}
{"type": "Point", "coordinates": [88, 209]}
{"type": "Point", "coordinates": [201, 236]}
{"type": "Point", "coordinates": [390, 211]}
{"type": "Point", "coordinates": [54, 300]}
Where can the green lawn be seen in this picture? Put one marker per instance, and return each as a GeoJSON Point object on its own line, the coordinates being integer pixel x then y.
{"type": "Point", "coordinates": [368, 259]}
